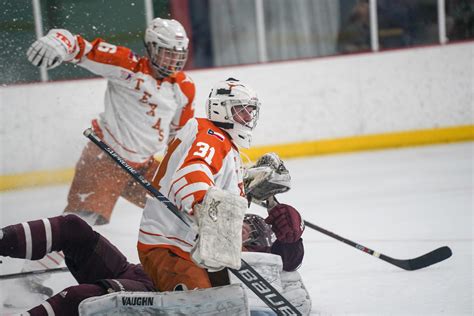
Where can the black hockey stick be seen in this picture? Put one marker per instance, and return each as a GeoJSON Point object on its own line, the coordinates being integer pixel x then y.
{"type": "Point", "coordinates": [420, 262]}
{"type": "Point", "coordinates": [251, 278]}
{"type": "Point", "coordinates": [27, 273]}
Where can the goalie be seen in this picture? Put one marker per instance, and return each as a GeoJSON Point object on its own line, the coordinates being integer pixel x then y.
{"type": "Point", "coordinates": [202, 175]}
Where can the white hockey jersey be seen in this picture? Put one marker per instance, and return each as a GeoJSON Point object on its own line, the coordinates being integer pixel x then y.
{"type": "Point", "coordinates": [201, 155]}
{"type": "Point", "coordinates": [140, 111]}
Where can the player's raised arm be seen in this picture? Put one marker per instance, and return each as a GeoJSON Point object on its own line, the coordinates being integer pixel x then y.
{"type": "Point", "coordinates": [50, 51]}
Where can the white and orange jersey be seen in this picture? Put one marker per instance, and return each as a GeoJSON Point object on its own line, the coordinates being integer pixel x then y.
{"type": "Point", "coordinates": [140, 111]}
{"type": "Point", "coordinates": [200, 156]}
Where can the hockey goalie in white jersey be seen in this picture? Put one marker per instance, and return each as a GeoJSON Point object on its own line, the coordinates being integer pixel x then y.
{"type": "Point", "coordinates": [202, 174]}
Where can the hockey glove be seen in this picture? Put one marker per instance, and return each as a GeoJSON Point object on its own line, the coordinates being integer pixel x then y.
{"type": "Point", "coordinates": [54, 48]}
{"type": "Point", "coordinates": [266, 178]}
{"type": "Point", "coordinates": [286, 223]}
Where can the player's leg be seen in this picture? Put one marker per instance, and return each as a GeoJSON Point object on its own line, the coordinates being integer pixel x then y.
{"type": "Point", "coordinates": [94, 191]}
{"type": "Point", "coordinates": [90, 257]}
{"type": "Point", "coordinates": [96, 187]}
{"type": "Point", "coordinates": [134, 191]}
{"type": "Point", "coordinates": [34, 239]}
{"type": "Point", "coordinates": [170, 272]}
{"type": "Point", "coordinates": [40, 241]}
{"type": "Point", "coordinates": [93, 194]}
{"type": "Point", "coordinates": [67, 301]}
{"type": "Point", "coordinates": [89, 195]}
{"type": "Point", "coordinates": [102, 262]}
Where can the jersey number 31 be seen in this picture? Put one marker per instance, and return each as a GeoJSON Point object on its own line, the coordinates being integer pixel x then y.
{"type": "Point", "coordinates": [205, 151]}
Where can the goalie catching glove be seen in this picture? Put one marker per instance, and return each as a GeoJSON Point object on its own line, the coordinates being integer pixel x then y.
{"type": "Point", "coordinates": [54, 48]}
{"type": "Point", "coordinates": [219, 216]}
{"type": "Point", "coordinates": [266, 178]}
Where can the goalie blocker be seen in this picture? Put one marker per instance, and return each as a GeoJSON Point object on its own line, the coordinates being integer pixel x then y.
{"type": "Point", "coordinates": [220, 216]}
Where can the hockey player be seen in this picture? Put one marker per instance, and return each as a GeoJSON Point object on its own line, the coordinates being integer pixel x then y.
{"type": "Point", "coordinates": [97, 265]}
{"type": "Point", "coordinates": [202, 175]}
{"type": "Point", "coordinates": [147, 100]}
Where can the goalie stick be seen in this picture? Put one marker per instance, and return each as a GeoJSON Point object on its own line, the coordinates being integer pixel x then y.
{"type": "Point", "coordinates": [423, 261]}
{"type": "Point", "coordinates": [251, 278]}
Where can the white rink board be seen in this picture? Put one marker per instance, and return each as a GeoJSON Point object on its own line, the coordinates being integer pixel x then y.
{"type": "Point", "coordinates": [305, 100]}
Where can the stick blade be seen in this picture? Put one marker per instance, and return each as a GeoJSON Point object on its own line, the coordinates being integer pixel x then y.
{"type": "Point", "coordinates": [425, 260]}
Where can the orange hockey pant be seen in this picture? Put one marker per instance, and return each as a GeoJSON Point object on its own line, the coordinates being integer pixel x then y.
{"type": "Point", "coordinates": [170, 272]}
{"type": "Point", "coordinates": [99, 182]}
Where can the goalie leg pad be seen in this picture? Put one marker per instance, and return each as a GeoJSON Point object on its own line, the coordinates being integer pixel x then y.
{"type": "Point", "coordinates": [226, 300]}
{"type": "Point", "coordinates": [269, 266]}
{"type": "Point", "coordinates": [220, 217]}
{"type": "Point", "coordinates": [289, 284]}
{"type": "Point", "coordinates": [295, 291]}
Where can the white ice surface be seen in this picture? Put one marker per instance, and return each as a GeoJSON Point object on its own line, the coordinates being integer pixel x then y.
{"type": "Point", "coordinates": [401, 202]}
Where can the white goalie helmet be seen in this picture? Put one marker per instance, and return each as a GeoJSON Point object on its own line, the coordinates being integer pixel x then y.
{"type": "Point", "coordinates": [234, 107]}
{"type": "Point", "coordinates": [167, 46]}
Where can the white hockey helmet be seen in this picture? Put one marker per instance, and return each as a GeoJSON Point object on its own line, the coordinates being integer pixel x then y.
{"type": "Point", "coordinates": [167, 46]}
{"type": "Point", "coordinates": [234, 107]}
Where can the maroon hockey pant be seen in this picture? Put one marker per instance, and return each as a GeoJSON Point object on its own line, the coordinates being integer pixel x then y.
{"type": "Point", "coordinates": [97, 265]}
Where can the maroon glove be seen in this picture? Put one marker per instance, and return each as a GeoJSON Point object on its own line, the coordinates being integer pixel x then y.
{"type": "Point", "coordinates": [286, 223]}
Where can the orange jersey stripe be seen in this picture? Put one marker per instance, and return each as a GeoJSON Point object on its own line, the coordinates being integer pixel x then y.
{"type": "Point", "coordinates": [164, 164]}
{"type": "Point", "coordinates": [105, 53]}
{"type": "Point", "coordinates": [82, 47]}
{"type": "Point", "coordinates": [198, 197]}
{"type": "Point", "coordinates": [189, 89]}
{"type": "Point", "coordinates": [193, 177]}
